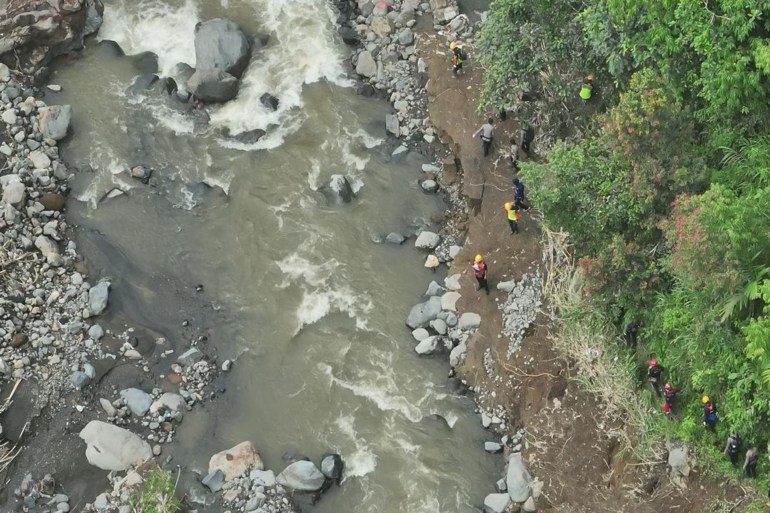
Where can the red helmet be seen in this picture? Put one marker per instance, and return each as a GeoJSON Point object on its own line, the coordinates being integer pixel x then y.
{"type": "Point", "coordinates": [653, 363]}
{"type": "Point", "coordinates": [668, 387]}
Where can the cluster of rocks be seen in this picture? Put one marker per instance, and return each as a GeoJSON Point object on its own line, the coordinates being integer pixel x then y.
{"type": "Point", "coordinates": [387, 60]}
{"type": "Point", "coordinates": [436, 324]}
{"type": "Point", "coordinates": [41, 495]}
{"type": "Point", "coordinates": [239, 474]}
{"type": "Point", "coordinates": [443, 249]}
{"type": "Point", "coordinates": [32, 32]}
{"type": "Point", "coordinates": [517, 489]}
{"type": "Point", "coordinates": [520, 308]}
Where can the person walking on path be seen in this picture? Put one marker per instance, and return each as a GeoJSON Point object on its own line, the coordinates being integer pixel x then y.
{"type": "Point", "coordinates": [486, 135]}
{"type": "Point", "coordinates": [512, 213]}
{"type": "Point", "coordinates": [520, 195]}
{"type": "Point", "coordinates": [733, 448]}
{"type": "Point", "coordinates": [480, 272]}
{"type": "Point", "coordinates": [710, 415]}
{"type": "Point", "coordinates": [654, 372]}
{"type": "Point", "coordinates": [669, 394]}
{"type": "Point", "coordinates": [458, 56]}
{"type": "Point", "coordinates": [750, 463]}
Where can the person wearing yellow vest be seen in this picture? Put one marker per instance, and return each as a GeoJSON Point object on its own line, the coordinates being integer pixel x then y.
{"type": "Point", "coordinates": [512, 213]}
{"type": "Point", "coordinates": [480, 272]}
{"type": "Point", "coordinates": [587, 88]}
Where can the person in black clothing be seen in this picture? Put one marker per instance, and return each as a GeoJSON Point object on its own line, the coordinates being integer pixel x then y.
{"type": "Point", "coordinates": [654, 372]}
{"type": "Point", "coordinates": [750, 463]}
{"type": "Point", "coordinates": [733, 448]}
{"type": "Point", "coordinates": [520, 195]}
{"type": "Point", "coordinates": [710, 415]}
{"type": "Point", "coordinates": [527, 134]}
{"type": "Point", "coordinates": [631, 331]}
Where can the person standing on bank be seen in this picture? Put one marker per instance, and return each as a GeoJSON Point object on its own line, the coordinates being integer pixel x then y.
{"type": "Point", "coordinates": [486, 135]}
{"type": "Point", "coordinates": [480, 272]}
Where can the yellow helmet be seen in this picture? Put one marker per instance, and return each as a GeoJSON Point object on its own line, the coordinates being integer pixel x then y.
{"type": "Point", "coordinates": [452, 45]}
{"type": "Point", "coordinates": [478, 259]}
{"type": "Point", "coordinates": [705, 399]}
{"type": "Point", "coordinates": [508, 206]}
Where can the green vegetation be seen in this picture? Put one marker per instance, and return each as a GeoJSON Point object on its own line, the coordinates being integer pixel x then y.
{"type": "Point", "coordinates": [157, 494]}
{"type": "Point", "coordinates": [665, 192]}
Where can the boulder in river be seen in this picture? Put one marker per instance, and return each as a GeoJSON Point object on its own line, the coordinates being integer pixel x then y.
{"type": "Point", "coordinates": [54, 121]}
{"type": "Point", "coordinates": [332, 466]}
{"type": "Point", "coordinates": [236, 461]}
{"type": "Point", "coordinates": [145, 62]}
{"type": "Point", "coordinates": [211, 85]}
{"type": "Point", "coordinates": [421, 314]}
{"type": "Point", "coordinates": [269, 101]}
{"type": "Point", "coordinates": [220, 44]}
{"type": "Point", "coordinates": [427, 346]}
{"type": "Point", "coordinates": [301, 476]}
{"type": "Point", "coordinates": [113, 448]}
{"type": "Point", "coordinates": [496, 502]}
{"type": "Point", "coordinates": [427, 240]}
{"type": "Point", "coordinates": [366, 65]}
{"type": "Point", "coordinates": [337, 190]}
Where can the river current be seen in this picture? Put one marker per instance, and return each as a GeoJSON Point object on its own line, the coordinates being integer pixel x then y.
{"type": "Point", "coordinates": [312, 308]}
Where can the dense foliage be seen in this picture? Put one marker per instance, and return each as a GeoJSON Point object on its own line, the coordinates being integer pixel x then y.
{"type": "Point", "coordinates": [667, 195]}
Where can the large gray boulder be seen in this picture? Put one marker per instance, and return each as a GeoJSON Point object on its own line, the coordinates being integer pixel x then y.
{"type": "Point", "coordinates": [220, 44]}
{"type": "Point", "coordinates": [54, 121]}
{"type": "Point", "coordinates": [427, 240]}
{"type": "Point", "coordinates": [421, 314]}
{"type": "Point", "coordinates": [98, 296]}
{"type": "Point", "coordinates": [332, 466]}
{"type": "Point", "coordinates": [113, 448]}
{"type": "Point", "coordinates": [301, 476]}
{"type": "Point", "coordinates": [517, 479]}
{"type": "Point", "coordinates": [171, 402]}
{"type": "Point", "coordinates": [213, 86]}
{"type": "Point", "coordinates": [366, 66]}
{"type": "Point", "coordinates": [427, 346]}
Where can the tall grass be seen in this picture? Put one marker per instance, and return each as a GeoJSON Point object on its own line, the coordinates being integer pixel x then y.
{"type": "Point", "coordinates": [157, 494]}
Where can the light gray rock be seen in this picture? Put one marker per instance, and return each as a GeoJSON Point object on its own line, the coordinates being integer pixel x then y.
{"type": "Point", "coordinates": [529, 506]}
{"type": "Point", "coordinates": [678, 460]}
{"type": "Point", "coordinates": [54, 121]}
{"type": "Point", "coordinates": [469, 321]}
{"type": "Point", "coordinates": [96, 332]}
{"type": "Point", "coordinates": [452, 282]}
{"type": "Point", "coordinates": [457, 354]}
{"type": "Point", "coordinates": [190, 357]}
{"type": "Point", "coordinates": [451, 320]}
{"type": "Point", "coordinates": [429, 185]}
{"type": "Point", "coordinates": [454, 250]}
{"type": "Point", "coordinates": [113, 448]}
{"type": "Point", "coordinates": [517, 479]}
{"type": "Point", "coordinates": [395, 238]}
{"type": "Point", "coordinates": [427, 240]}
{"type": "Point", "coordinates": [493, 447]}
{"type": "Point", "coordinates": [440, 326]}
{"type": "Point", "coordinates": [5, 73]}
{"type": "Point", "coordinates": [39, 159]}
{"type": "Point", "coordinates": [14, 193]}
{"type": "Point", "coordinates": [420, 334]}
{"type": "Point", "coordinates": [301, 476]}
{"type": "Point", "coordinates": [449, 301]}
{"type": "Point", "coordinates": [262, 477]}
{"type": "Point", "coordinates": [366, 65]}
{"type": "Point", "coordinates": [9, 116]}
{"type": "Point", "coordinates": [79, 379]}
{"type": "Point", "coordinates": [434, 289]}
{"type": "Point", "coordinates": [220, 44]}
{"type": "Point", "coordinates": [427, 346]}
{"type": "Point", "coordinates": [332, 466]}
{"type": "Point", "coordinates": [49, 249]}
{"type": "Point", "coordinates": [421, 314]}
{"type": "Point", "coordinates": [138, 401]}
{"type": "Point", "coordinates": [496, 502]}
{"type": "Point", "coordinates": [506, 286]}
{"type": "Point", "coordinates": [405, 37]}
{"type": "Point", "coordinates": [108, 408]}
{"type": "Point", "coordinates": [98, 296]}
{"type": "Point", "coordinates": [392, 125]}
{"type": "Point", "coordinates": [500, 485]}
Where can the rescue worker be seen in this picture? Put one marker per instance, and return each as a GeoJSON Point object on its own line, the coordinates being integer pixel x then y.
{"type": "Point", "coordinates": [512, 213]}
{"type": "Point", "coordinates": [733, 448]}
{"type": "Point", "coordinates": [486, 135]}
{"type": "Point", "coordinates": [632, 329]}
{"type": "Point", "coordinates": [457, 58]}
{"type": "Point", "coordinates": [669, 394]}
{"type": "Point", "coordinates": [587, 88]}
{"type": "Point", "coordinates": [514, 155]}
{"type": "Point", "coordinates": [654, 372]}
{"type": "Point", "coordinates": [520, 195]}
{"type": "Point", "coordinates": [480, 272]}
{"type": "Point", "coordinates": [710, 415]}
{"type": "Point", "coordinates": [527, 135]}
{"type": "Point", "coordinates": [750, 463]}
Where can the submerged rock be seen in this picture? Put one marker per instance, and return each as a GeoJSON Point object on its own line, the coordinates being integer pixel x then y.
{"type": "Point", "coordinates": [213, 86]}
{"type": "Point", "coordinates": [269, 101]}
{"type": "Point", "coordinates": [337, 190]}
{"type": "Point", "coordinates": [332, 467]}
{"type": "Point", "coordinates": [421, 314]}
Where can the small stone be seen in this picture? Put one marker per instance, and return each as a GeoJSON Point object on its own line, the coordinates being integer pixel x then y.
{"type": "Point", "coordinates": [226, 365]}
{"type": "Point", "coordinates": [214, 480]}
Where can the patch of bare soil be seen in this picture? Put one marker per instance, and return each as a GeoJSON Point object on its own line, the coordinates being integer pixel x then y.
{"type": "Point", "coordinates": [568, 444]}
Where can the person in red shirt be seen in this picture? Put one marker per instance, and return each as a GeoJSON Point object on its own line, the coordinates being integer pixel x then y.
{"type": "Point", "coordinates": [480, 272]}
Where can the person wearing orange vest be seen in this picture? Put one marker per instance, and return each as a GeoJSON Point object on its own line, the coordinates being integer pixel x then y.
{"type": "Point", "coordinates": [512, 213]}
{"type": "Point", "coordinates": [480, 272]}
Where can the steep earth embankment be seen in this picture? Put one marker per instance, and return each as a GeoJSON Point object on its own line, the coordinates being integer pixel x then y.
{"type": "Point", "coordinates": [571, 445]}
